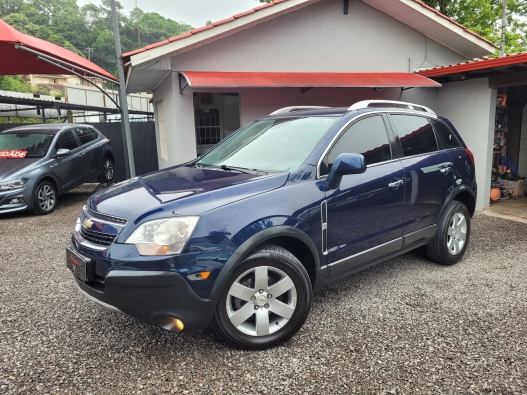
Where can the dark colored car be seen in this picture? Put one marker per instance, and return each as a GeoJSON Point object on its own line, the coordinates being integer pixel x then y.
{"type": "Point", "coordinates": [243, 235]}
{"type": "Point", "coordinates": [40, 162]}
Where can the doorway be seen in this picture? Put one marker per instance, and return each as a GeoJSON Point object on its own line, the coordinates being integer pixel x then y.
{"type": "Point", "coordinates": [216, 115]}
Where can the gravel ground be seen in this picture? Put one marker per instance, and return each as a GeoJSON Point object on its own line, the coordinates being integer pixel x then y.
{"type": "Point", "coordinates": [404, 327]}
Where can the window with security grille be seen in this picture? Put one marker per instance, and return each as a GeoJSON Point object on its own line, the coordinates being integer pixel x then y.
{"type": "Point", "coordinates": [163, 146]}
{"type": "Point", "coordinates": [208, 125]}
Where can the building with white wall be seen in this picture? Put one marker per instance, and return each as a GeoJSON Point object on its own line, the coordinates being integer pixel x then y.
{"type": "Point", "coordinates": [208, 82]}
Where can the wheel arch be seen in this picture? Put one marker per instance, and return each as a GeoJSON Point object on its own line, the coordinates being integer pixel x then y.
{"type": "Point", "coordinates": [49, 178]}
{"type": "Point", "coordinates": [292, 239]}
{"type": "Point", "coordinates": [462, 194]}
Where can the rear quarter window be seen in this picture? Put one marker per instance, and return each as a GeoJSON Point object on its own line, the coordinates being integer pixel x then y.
{"type": "Point", "coordinates": [447, 138]}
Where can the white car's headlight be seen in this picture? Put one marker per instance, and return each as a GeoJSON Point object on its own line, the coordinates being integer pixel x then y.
{"type": "Point", "coordinates": [166, 236]}
{"type": "Point", "coordinates": [14, 184]}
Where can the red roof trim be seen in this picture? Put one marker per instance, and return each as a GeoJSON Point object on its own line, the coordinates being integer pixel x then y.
{"type": "Point", "coordinates": [241, 14]}
{"type": "Point", "coordinates": [200, 29]}
{"type": "Point", "coordinates": [180, 36]}
{"type": "Point", "coordinates": [483, 64]}
{"type": "Point", "coordinates": [224, 21]}
{"type": "Point", "coordinates": [261, 7]}
{"type": "Point", "coordinates": [215, 79]}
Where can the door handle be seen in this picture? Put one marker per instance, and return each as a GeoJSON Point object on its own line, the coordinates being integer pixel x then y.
{"type": "Point", "coordinates": [81, 154]}
{"type": "Point", "coordinates": [396, 184]}
{"type": "Point", "coordinates": [445, 170]}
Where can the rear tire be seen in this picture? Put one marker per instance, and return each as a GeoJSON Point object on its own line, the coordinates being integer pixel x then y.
{"type": "Point", "coordinates": [44, 198]}
{"type": "Point", "coordinates": [107, 170]}
{"type": "Point", "coordinates": [453, 233]}
{"type": "Point", "coordinates": [265, 301]}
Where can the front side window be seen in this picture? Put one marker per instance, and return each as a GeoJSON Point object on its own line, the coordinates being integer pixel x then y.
{"type": "Point", "coordinates": [367, 137]}
{"type": "Point", "coordinates": [66, 141]}
{"type": "Point", "coordinates": [446, 136]}
{"type": "Point", "coordinates": [416, 134]}
{"type": "Point", "coordinates": [35, 145]}
{"type": "Point", "coordinates": [271, 144]}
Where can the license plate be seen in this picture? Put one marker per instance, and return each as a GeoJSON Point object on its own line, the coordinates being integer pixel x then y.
{"type": "Point", "coordinates": [77, 264]}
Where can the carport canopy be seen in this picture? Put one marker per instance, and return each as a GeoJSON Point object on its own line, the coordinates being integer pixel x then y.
{"type": "Point", "coordinates": [23, 54]}
{"type": "Point", "coordinates": [211, 79]}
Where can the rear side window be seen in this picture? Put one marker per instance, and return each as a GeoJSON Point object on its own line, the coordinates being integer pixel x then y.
{"type": "Point", "coordinates": [66, 141]}
{"type": "Point", "coordinates": [367, 137]}
{"type": "Point", "coordinates": [416, 134]}
{"type": "Point", "coordinates": [446, 136]}
{"type": "Point", "coordinates": [86, 135]}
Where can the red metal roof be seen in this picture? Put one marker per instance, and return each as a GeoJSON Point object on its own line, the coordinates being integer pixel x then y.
{"type": "Point", "coordinates": [502, 61]}
{"type": "Point", "coordinates": [202, 79]}
{"type": "Point", "coordinates": [256, 9]}
{"type": "Point", "coordinates": [14, 61]}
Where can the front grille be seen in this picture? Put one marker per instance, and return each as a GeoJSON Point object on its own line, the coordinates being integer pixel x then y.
{"type": "Point", "coordinates": [106, 217]}
{"type": "Point", "coordinates": [97, 238]}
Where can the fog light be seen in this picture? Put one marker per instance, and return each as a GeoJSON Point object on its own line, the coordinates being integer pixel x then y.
{"type": "Point", "coordinates": [16, 201]}
{"type": "Point", "coordinates": [198, 276]}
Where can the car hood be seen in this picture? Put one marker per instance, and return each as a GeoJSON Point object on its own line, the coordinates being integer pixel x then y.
{"type": "Point", "coordinates": [180, 191]}
{"type": "Point", "coordinates": [14, 168]}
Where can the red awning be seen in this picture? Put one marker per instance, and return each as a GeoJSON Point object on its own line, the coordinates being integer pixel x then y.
{"type": "Point", "coordinates": [212, 79]}
{"type": "Point", "coordinates": [19, 55]}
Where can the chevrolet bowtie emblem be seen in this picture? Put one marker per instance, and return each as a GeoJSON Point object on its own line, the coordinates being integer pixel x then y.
{"type": "Point", "coordinates": [87, 223]}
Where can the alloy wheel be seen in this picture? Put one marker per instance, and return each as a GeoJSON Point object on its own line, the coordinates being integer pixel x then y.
{"type": "Point", "coordinates": [261, 301]}
{"type": "Point", "coordinates": [108, 169]}
{"type": "Point", "coordinates": [46, 197]}
{"type": "Point", "coordinates": [457, 234]}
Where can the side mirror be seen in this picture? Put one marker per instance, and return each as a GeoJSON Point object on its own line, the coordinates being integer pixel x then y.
{"type": "Point", "coordinates": [62, 152]}
{"type": "Point", "coordinates": [345, 164]}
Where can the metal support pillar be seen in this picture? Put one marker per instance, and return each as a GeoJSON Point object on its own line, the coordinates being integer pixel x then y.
{"type": "Point", "coordinates": [125, 122]}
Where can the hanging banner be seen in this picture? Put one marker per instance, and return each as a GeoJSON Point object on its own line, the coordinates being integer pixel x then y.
{"type": "Point", "coordinates": [13, 154]}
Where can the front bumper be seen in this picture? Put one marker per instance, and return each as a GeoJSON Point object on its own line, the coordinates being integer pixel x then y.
{"type": "Point", "coordinates": [153, 297]}
{"type": "Point", "coordinates": [22, 193]}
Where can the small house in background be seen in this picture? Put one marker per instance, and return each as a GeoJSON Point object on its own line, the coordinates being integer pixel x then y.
{"type": "Point", "coordinates": [214, 79]}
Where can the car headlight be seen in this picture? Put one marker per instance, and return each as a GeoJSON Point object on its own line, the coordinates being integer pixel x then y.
{"type": "Point", "coordinates": [166, 236]}
{"type": "Point", "coordinates": [14, 184]}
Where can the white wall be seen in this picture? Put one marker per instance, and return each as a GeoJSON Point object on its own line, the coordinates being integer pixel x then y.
{"type": "Point", "coordinates": [317, 38]}
{"type": "Point", "coordinates": [321, 38]}
{"type": "Point", "coordinates": [471, 107]}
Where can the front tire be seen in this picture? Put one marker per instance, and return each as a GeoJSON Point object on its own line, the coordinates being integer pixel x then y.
{"type": "Point", "coordinates": [44, 198]}
{"type": "Point", "coordinates": [453, 233]}
{"type": "Point", "coordinates": [107, 170]}
{"type": "Point", "coordinates": [265, 301]}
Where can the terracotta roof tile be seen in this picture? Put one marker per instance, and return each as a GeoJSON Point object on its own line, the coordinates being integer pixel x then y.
{"type": "Point", "coordinates": [261, 7]}
{"type": "Point", "coordinates": [251, 11]}
{"type": "Point", "coordinates": [477, 64]}
{"type": "Point", "coordinates": [180, 36]}
{"type": "Point", "coordinates": [224, 21]}
{"type": "Point", "coordinates": [200, 29]}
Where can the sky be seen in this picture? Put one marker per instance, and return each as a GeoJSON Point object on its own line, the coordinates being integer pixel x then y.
{"type": "Point", "coordinates": [193, 12]}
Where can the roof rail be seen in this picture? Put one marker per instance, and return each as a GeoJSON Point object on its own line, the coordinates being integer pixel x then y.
{"type": "Point", "coordinates": [286, 110]}
{"type": "Point", "coordinates": [389, 103]}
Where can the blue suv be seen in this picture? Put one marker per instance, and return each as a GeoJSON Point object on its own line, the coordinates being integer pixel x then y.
{"type": "Point", "coordinates": [241, 236]}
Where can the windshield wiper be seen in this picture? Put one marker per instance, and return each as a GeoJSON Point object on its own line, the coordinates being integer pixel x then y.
{"type": "Point", "coordinates": [240, 169]}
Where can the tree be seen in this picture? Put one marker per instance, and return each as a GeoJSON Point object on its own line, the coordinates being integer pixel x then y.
{"type": "Point", "coordinates": [484, 18]}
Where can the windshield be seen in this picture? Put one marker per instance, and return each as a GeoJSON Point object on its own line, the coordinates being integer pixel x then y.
{"type": "Point", "coordinates": [35, 145]}
{"type": "Point", "coordinates": [271, 144]}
